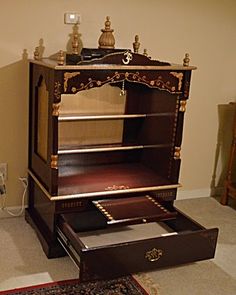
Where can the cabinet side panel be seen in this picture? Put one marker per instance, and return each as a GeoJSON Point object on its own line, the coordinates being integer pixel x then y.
{"type": "Point", "coordinates": [41, 120]}
{"type": "Point", "coordinates": [41, 125]}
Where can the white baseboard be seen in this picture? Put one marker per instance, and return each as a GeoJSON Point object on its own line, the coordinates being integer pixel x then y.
{"type": "Point", "coordinates": [190, 194]}
{"type": "Point", "coordinates": [14, 210]}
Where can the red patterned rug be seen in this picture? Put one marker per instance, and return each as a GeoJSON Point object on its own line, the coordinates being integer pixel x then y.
{"type": "Point", "coordinates": [140, 285]}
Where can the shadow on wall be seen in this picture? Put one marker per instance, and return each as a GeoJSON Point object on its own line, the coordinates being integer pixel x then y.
{"type": "Point", "coordinates": [226, 114]}
{"type": "Point", "coordinates": [13, 124]}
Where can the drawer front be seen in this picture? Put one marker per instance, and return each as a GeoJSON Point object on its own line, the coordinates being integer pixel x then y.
{"type": "Point", "coordinates": [148, 254]}
{"type": "Point", "coordinates": [170, 249]}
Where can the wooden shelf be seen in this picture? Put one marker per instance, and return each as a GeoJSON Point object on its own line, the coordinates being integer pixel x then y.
{"type": "Point", "coordinates": [109, 179]}
{"type": "Point", "coordinates": [78, 117]}
{"type": "Point", "coordinates": [66, 150]}
{"type": "Point", "coordinates": [71, 117]}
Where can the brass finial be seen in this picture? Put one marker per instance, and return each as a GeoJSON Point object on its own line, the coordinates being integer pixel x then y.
{"type": "Point", "coordinates": [136, 44]}
{"type": "Point", "coordinates": [145, 52]}
{"type": "Point", "coordinates": [60, 58]}
{"type": "Point", "coordinates": [75, 44]}
{"type": "Point", "coordinates": [186, 60]}
{"type": "Point", "coordinates": [177, 152]}
{"type": "Point", "coordinates": [54, 161]}
{"type": "Point", "coordinates": [107, 40]}
{"type": "Point", "coordinates": [182, 107]}
{"type": "Point", "coordinates": [36, 53]}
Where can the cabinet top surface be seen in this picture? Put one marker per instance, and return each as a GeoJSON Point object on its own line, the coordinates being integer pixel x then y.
{"type": "Point", "coordinates": [50, 63]}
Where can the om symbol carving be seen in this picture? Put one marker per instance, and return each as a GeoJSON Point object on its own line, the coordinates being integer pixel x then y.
{"type": "Point", "coordinates": [128, 57]}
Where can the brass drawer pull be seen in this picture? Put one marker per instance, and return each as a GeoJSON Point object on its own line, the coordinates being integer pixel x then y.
{"type": "Point", "coordinates": [154, 254]}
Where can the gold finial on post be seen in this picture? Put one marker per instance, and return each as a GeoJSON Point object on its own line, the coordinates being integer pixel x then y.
{"type": "Point", "coordinates": [75, 44]}
{"type": "Point", "coordinates": [107, 40]}
{"type": "Point", "coordinates": [145, 52]}
{"type": "Point", "coordinates": [186, 60]}
{"type": "Point", "coordinates": [177, 152]}
{"type": "Point", "coordinates": [36, 53]}
{"type": "Point", "coordinates": [60, 58]}
{"type": "Point", "coordinates": [54, 161]}
{"type": "Point", "coordinates": [136, 44]}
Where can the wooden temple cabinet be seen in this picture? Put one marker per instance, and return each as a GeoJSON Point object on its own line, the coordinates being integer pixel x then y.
{"type": "Point", "coordinates": [104, 157]}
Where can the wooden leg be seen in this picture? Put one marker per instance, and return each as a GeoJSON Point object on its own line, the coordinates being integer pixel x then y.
{"type": "Point", "coordinates": [224, 197]}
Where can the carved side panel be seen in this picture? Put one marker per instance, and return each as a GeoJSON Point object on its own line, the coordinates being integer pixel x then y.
{"type": "Point", "coordinates": [42, 119]}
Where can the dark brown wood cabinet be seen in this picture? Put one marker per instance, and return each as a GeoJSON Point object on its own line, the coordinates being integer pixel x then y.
{"type": "Point", "coordinates": [104, 157]}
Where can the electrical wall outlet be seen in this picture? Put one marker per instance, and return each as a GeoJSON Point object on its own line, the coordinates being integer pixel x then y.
{"type": "Point", "coordinates": [3, 170]}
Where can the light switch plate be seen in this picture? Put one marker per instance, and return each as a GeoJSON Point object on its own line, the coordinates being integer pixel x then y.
{"type": "Point", "coordinates": [72, 18]}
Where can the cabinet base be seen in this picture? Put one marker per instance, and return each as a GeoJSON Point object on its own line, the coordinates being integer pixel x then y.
{"type": "Point", "coordinates": [50, 245]}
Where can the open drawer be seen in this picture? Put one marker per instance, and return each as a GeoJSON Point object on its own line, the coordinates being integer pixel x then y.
{"type": "Point", "coordinates": [103, 251]}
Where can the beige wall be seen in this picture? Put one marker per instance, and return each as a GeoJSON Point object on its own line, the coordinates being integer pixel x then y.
{"type": "Point", "coordinates": [168, 29]}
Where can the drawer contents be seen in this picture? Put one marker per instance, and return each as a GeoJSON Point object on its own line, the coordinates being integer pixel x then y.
{"type": "Point", "coordinates": [129, 210]}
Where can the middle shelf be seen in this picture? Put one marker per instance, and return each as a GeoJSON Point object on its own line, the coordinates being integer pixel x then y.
{"type": "Point", "coordinates": [106, 148]}
{"type": "Point", "coordinates": [86, 117]}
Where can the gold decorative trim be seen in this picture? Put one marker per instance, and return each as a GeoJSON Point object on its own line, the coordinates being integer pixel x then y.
{"type": "Point", "coordinates": [177, 153]}
{"type": "Point", "coordinates": [75, 44]}
{"type": "Point", "coordinates": [182, 105]}
{"type": "Point", "coordinates": [154, 254]}
{"type": "Point", "coordinates": [54, 161]}
{"type": "Point", "coordinates": [103, 210]}
{"type": "Point", "coordinates": [186, 89]}
{"type": "Point", "coordinates": [73, 204]}
{"type": "Point", "coordinates": [57, 90]}
{"type": "Point", "coordinates": [128, 57]}
{"type": "Point", "coordinates": [116, 187]}
{"type": "Point", "coordinates": [55, 109]}
{"type": "Point", "coordinates": [174, 134]}
{"type": "Point", "coordinates": [164, 195]}
{"type": "Point", "coordinates": [68, 76]}
{"type": "Point", "coordinates": [157, 204]}
{"type": "Point", "coordinates": [117, 77]}
{"type": "Point", "coordinates": [178, 76]}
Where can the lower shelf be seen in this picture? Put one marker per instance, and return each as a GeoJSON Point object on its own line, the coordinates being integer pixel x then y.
{"type": "Point", "coordinates": [109, 179]}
